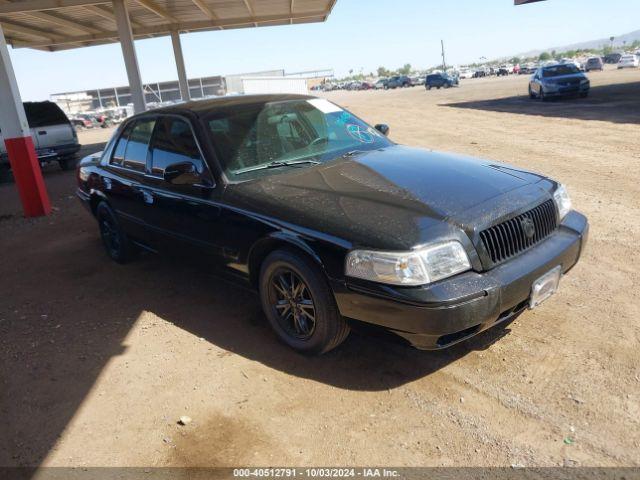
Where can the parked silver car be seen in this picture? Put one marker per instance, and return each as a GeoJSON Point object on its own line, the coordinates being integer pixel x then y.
{"type": "Point", "coordinates": [54, 138]}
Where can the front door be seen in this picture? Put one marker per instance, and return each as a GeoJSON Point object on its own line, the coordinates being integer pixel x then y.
{"type": "Point", "coordinates": [184, 214]}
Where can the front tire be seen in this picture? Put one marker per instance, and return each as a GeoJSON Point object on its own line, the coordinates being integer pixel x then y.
{"type": "Point", "coordinates": [531, 94]}
{"type": "Point", "coordinates": [299, 305]}
{"type": "Point", "coordinates": [115, 240]}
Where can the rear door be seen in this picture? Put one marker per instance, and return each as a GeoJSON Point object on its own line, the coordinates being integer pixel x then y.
{"type": "Point", "coordinates": [123, 179]}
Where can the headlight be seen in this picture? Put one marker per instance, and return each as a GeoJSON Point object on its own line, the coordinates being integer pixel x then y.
{"type": "Point", "coordinates": [563, 202]}
{"type": "Point", "coordinates": [416, 267]}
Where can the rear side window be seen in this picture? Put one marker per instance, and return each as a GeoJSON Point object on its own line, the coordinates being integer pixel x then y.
{"type": "Point", "coordinates": [121, 146]}
{"type": "Point", "coordinates": [173, 142]}
{"type": "Point", "coordinates": [135, 156]}
{"type": "Point", "coordinates": [43, 114]}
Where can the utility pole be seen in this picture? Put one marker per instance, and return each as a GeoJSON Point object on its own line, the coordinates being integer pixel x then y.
{"type": "Point", "coordinates": [444, 63]}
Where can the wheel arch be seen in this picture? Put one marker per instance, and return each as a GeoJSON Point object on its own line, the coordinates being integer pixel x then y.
{"type": "Point", "coordinates": [279, 241]}
{"type": "Point", "coordinates": [95, 198]}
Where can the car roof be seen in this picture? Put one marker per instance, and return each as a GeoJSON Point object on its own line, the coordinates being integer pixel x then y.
{"type": "Point", "coordinates": [200, 107]}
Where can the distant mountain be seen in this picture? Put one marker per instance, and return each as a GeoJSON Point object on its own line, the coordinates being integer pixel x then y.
{"type": "Point", "coordinates": [618, 43]}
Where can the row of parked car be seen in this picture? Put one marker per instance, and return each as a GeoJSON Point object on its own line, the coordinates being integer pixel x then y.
{"type": "Point", "coordinates": [105, 119]}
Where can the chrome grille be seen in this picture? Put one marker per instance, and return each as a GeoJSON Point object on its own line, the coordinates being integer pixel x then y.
{"type": "Point", "coordinates": [516, 235]}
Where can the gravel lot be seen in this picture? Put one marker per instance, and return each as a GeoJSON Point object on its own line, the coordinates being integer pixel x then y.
{"type": "Point", "coordinates": [99, 361]}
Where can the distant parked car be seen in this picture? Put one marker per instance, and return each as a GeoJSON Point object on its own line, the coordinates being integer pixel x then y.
{"type": "Point", "coordinates": [439, 80]}
{"type": "Point", "coordinates": [557, 81]}
{"type": "Point", "coordinates": [399, 81]}
{"type": "Point", "coordinates": [54, 137]}
{"type": "Point", "coordinates": [628, 61]}
{"type": "Point", "coordinates": [612, 58]}
{"type": "Point", "coordinates": [417, 80]}
{"type": "Point", "coordinates": [466, 73]}
{"type": "Point", "coordinates": [594, 63]}
{"type": "Point", "coordinates": [503, 71]}
{"type": "Point", "coordinates": [81, 123]}
{"type": "Point", "coordinates": [381, 84]}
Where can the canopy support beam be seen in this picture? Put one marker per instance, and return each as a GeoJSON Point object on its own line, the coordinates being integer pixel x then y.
{"type": "Point", "coordinates": [182, 72]}
{"type": "Point", "coordinates": [129, 52]}
{"type": "Point", "coordinates": [17, 138]}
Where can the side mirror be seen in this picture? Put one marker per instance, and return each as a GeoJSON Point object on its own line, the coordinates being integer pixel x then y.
{"type": "Point", "coordinates": [383, 128]}
{"type": "Point", "coordinates": [183, 173]}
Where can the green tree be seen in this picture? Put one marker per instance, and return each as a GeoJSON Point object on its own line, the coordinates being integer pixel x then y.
{"type": "Point", "coordinates": [383, 72]}
{"type": "Point", "coordinates": [405, 70]}
{"type": "Point", "coordinates": [515, 61]}
{"type": "Point", "coordinates": [544, 56]}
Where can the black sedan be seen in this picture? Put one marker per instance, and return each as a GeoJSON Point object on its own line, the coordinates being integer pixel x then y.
{"type": "Point", "coordinates": [331, 221]}
{"type": "Point", "coordinates": [558, 81]}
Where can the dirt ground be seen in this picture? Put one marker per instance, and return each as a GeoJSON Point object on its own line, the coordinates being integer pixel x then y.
{"type": "Point", "coordinates": [98, 361]}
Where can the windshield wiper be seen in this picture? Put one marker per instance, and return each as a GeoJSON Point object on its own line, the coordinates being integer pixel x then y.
{"type": "Point", "coordinates": [353, 153]}
{"type": "Point", "coordinates": [275, 164]}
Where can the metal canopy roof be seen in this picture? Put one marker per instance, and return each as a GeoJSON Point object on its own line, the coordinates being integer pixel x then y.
{"type": "Point", "coordinates": [63, 24]}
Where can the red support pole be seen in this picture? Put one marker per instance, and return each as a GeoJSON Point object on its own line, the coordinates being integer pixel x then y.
{"type": "Point", "coordinates": [17, 138]}
{"type": "Point", "coordinates": [28, 177]}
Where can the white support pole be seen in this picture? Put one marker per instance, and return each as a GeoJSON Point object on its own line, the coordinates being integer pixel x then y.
{"type": "Point", "coordinates": [182, 72]}
{"type": "Point", "coordinates": [129, 52]}
{"type": "Point", "coordinates": [17, 139]}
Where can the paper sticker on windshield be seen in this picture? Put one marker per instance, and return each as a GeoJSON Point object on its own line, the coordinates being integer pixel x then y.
{"type": "Point", "coordinates": [324, 106]}
{"type": "Point", "coordinates": [360, 134]}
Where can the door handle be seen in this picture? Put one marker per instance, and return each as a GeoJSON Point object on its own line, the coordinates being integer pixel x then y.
{"type": "Point", "coordinates": [42, 132]}
{"type": "Point", "coordinates": [147, 197]}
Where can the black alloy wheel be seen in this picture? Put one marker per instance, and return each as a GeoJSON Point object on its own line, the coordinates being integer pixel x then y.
{"type": "Point", "coordinates": [115, 241]}
{"type": "Point", "coordinates": [293, 303]}
{"type": "Point", "coordinates": [299, 304]}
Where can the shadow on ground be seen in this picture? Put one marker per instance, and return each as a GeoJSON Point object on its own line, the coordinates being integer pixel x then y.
{"type": "Point", "coordinates": [617, 103]}
{"type": "Point", "coordinates": [70, 309]}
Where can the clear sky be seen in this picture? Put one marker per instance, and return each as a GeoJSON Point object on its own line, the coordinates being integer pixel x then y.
{"type": "Point", "coordinates": [359, 34]}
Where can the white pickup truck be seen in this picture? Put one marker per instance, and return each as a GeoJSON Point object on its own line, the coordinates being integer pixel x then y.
{"type": "Point", "coordinates": [54, 138]}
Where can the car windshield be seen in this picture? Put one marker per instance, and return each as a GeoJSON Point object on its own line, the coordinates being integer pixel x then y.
{"type": "Point", "coordinates": [261, 139]}
{"type": "Point", "coordinates": [558, 70]}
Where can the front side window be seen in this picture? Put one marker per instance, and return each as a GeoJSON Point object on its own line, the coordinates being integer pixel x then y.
{"type": "Point", "coordinates": [173, 143]}
{"type": "Point", "coordinates": [135, 157]}
{"type": "Point", "coordinates": [262, 139]}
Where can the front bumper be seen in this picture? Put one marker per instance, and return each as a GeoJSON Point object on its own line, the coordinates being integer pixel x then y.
{"type": "Point", "coordinates": [452, 310]}
{"type": "Point", "coordinates": [567, 91]}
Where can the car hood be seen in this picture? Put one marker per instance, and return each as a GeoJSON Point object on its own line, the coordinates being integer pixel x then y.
{"type": "Point", "coordinates": [387, 198]}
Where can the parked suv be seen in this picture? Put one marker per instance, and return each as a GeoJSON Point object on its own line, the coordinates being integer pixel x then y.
{"type": "Point", "coordinates": [399, 81]}
{"type": "Point", "coordinates": [54, 138]}
{"type": "Point", "coordinates": [594, 63]}
{"type": "Point", "coordinates": [439, 80]}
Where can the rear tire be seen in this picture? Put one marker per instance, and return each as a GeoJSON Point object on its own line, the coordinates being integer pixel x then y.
{"type": "Point", "coordinates": [115, 240]}
{"type": "Point", "coordinates": [299, 304]}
